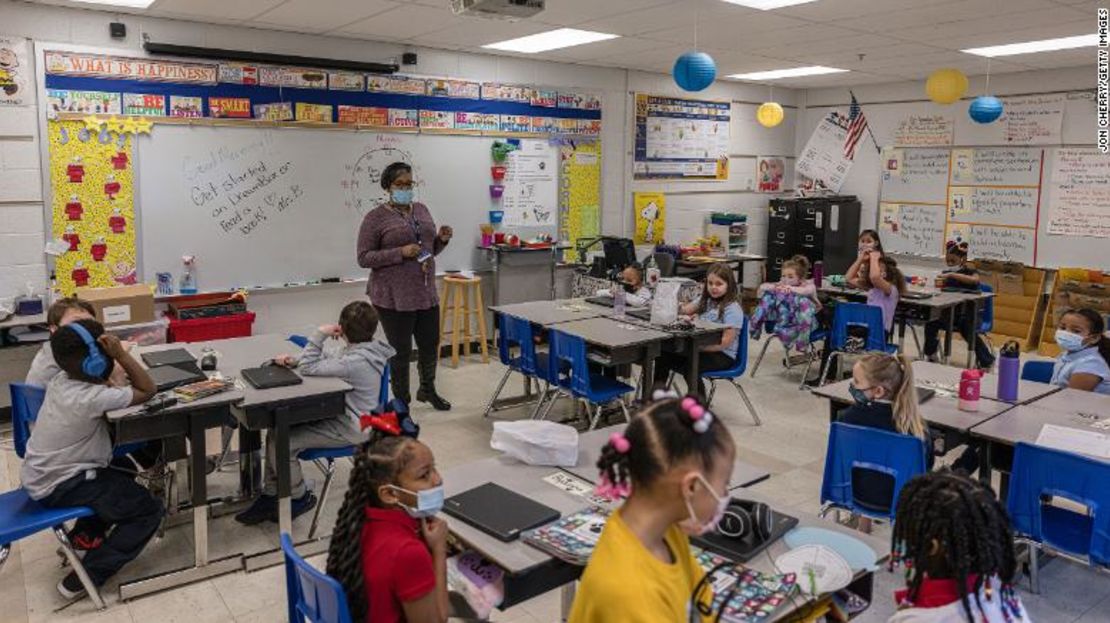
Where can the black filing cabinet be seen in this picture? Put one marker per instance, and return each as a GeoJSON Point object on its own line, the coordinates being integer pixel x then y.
{"type": "Point", "coordinates": [824, 229]}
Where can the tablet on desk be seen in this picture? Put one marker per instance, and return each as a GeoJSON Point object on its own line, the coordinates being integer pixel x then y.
{"type": "Point", "coordinates": [170, 376]}
{"type": "Point", "coordinates": [271, 376]}
{"type": "Point", "coordinates": [171, 357]}
{"type": "Point", "coordinates": [498, 512]}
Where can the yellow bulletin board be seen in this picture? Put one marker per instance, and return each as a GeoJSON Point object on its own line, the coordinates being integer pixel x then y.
{"type": "Point", "coordinates": [580, 193]}
{"type": "Point", "coordinates": [91, 174]}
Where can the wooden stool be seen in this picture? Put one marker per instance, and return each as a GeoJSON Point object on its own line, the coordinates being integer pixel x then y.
{"type": "Point", "coordinates": [456, 294]}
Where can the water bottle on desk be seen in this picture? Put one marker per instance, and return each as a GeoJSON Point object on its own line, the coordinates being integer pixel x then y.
{"type": "Point", "coordinates": [818, 273]}
{"type": "Point", "coordinates": [1009, 370]}
{"type": "Point", "coordinates": [969, 390]}
{"type": "Point", "coordinates": [618, 299]}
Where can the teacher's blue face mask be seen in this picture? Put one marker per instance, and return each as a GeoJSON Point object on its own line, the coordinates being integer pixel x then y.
{"type": "Point", "coordinates": [401, 196]}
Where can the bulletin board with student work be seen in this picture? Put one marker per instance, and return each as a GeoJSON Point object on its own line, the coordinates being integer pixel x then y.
{"type": "Point", "coordinates": [264, 173]}
{"type": "Point", "coordinates": [1014, 189]}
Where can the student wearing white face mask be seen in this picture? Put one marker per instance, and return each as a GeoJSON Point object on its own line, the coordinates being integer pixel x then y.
{"type": "Point", "coordinates": [791, 304]}
{"type": "Point", "coordinates": [1085, 362]}
{"type": "Point", "coordinates": [388, 549]}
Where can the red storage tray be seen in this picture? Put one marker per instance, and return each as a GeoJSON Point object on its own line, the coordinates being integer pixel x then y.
{"type": "Point", "coordinates": [217, 328]}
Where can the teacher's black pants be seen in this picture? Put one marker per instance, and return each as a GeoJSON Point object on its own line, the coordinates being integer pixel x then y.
{"type": "Point", "coordinates": [401, 327]}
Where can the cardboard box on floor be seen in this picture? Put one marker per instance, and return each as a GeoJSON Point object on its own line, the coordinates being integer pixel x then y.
{"type": "Point", "coordinates": [120, 305]}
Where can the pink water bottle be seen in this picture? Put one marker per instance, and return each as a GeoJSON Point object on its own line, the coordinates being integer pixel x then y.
{"type": "Point", "coordinates": [818, 273]}
{"type": "Point", "coordinates": [969, 390]}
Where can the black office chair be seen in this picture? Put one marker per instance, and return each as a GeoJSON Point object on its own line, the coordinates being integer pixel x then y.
{"type": "Point", "coordinates": [665, 263]}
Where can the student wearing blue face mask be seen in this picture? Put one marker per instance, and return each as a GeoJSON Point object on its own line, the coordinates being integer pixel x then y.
{"type": "Point", "coordinates": [388, 549]}
{"type": "Point", "coordinates": [883, 390]}
{"type": "Point", "coordinates": [1085, 362]}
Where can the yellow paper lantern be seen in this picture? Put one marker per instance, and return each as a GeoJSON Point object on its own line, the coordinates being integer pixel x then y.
{"type": "Point", "coordinates": [945, 86]}
{"type": "Point", "coordinates": [769, 114]}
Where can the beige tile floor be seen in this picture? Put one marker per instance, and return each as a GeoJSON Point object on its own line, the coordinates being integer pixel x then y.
{"type": "Point", "coordinates": [790, 444]}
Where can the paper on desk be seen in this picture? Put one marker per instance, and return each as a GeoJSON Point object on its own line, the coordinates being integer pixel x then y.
{"type": "Point", "coordinates": [1086, 442]}
{"type": "Point", "coordinates": [819, 569]}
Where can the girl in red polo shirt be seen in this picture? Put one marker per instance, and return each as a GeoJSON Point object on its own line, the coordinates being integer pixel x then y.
{"type": "Point", "coordinates": [398, 569]}
{"type": "Point", "coordinates": [953, 538]}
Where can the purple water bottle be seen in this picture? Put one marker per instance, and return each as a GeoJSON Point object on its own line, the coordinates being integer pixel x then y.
{"type": "Point", "coordinates": [1009, 368]}
{"type": "Point", "coordinates": [818, 273]}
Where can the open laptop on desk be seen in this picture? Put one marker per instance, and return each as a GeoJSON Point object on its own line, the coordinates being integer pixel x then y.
{"type": "Point", "coordinates": [170, 376]}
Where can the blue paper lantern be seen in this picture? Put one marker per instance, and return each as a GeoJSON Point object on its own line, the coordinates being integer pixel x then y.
{"type": "Point", "coordinates": [694, 71]}
{"type": "Point", "coordinates": [985, 109]}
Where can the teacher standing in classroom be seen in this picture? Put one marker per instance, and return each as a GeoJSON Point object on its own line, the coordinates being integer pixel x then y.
{"type": "Point", "coordinates": [398, 242]}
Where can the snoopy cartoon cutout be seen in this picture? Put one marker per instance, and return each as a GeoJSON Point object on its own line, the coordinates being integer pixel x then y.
{"type": "Point", "coordinates": [650, 214]}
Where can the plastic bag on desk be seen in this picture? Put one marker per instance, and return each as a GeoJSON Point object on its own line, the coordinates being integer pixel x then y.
{"type": "Point", "coordinates": [664, 304]}
{"type": "Point", "coordinates": [537, 442]}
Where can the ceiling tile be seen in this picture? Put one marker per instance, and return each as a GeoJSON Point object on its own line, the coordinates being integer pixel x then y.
{"type": "Point", "coordinates": [218, 11]}
{"type": "Point", "coordinates": [476, 32]}
{"type": "Point", "coordinates": [308, 15]}
{"type": "Point", "coordinates": [575, 12]}
{"type": "Point", "coordinates": [832, 10]}
{"type": "Point", "coordinates": [939, 14]}
{"type": "Point", "coordinates": [601, 50]}
{"type": "Point", "coordinates": [1009, 28]}
{"type": "Point", "coordinates": [404, 22]}
{"type": "Point", "coordinates": [849, 59]}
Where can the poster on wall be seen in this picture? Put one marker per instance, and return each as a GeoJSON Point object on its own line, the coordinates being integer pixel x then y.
{"type": "Point", "coordinates": [924, 131]}
{"type": "Point", "coordinates": [681, 138]}
{"type": "Point", "coordinates": [1079, 196]}
{"type": "Point", "coordinates": [651, 217]}
{"type": "Point", "coordinates": [92, 207]}
{"type": "Point", "coordinates": [128, 68]}
{"type": "Point", "coordinates": [769, 174]}
{"type": "Point", "coordinates": [823, 159]}
{"type": "Point", "coordinates": [145, 105]}
{"type": "Point", "coordinates": [96, 102]}
{"type": "Point", "coordinates": [278, 111]}
{"type": "Point", "coordinates": [580, 198]}
{"type": "Point", "coordinates": [320, 113]}
{"type": "Point", "coordinates": [14, 71]}
{"type": "Point", "coordinates": [531, 185]}
{"type": "Point", "coordinates": [186, 106]}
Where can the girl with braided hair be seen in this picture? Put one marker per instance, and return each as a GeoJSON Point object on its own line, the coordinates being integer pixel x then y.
{"type": "Point", "coordinates": [954, 540]}
{"type": "Point", "coordinates": [388, 549]}
{"type": "Point", "coordinates": [672, 463]}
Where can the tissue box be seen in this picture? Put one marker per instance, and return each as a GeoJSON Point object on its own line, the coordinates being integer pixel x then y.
{"type": "Point", "coordinates": [120, 305]}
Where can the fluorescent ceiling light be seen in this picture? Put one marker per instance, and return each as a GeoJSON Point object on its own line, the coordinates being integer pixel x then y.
{"type": "Point", "coordinates": [131, 4]}
{"type": "Point", "coordinates": [795, 72]}
{"type": "Point", "coordinates": [550, 40]}
{"type": "Point", "coordinates": [767, 5]}
{"type": "Point", "coordinates": [1029, 47]}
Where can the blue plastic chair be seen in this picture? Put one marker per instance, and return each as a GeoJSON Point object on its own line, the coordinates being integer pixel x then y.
{"type": "Point", "coordinates": [571, 375]}
{"type": "Point", "coordinates": [324, 458]}
{"type": "Point", "coordinates": [986, 312]}
{"type": "Point", "coordinates": [817, 335]}
{"type": "Point", "coordinates": [1040, 473]}
{"type": "Point", "coordinates": [1039, 371]}
{"type": "Point", "coordinates": [26, 402]}
{"type": "Point", "coordinates": [516, 333]}
{"type": "Point", "coordinates": [861, 447]}
{"type": "Point", "coordinates": [732, 374]}
{"type": "Point", "coordinates": [856, 315]}
{"type": "Point", "coordinates": [20, 517]}
{"type": "Point", "coordinates": [311, 594]}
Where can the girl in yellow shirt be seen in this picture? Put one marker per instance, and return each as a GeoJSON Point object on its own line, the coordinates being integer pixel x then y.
{"type": "Point", "coordinates": [673, 463]}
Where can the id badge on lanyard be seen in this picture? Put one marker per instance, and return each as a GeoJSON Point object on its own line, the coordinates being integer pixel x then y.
{"type": "Point", "coordinates": [424, 255]}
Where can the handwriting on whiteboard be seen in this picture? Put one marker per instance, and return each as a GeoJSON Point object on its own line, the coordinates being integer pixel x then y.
{"type": "Point", "coordinates": [924, 131]}
{"type": "Point", "coordinates": [911, 228]}
{"type": "Point", "coordinates": [987, 204]}
{"type": "Point", "coordinates": [245, 196]}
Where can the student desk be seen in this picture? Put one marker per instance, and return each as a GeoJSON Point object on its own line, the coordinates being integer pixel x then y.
{"type": "Point", "coordinates": [926, 309]}
{"type": "Point", "coordinates": [530, 572]}
{"type": "Point", "coordinates": [947, 379]}
{"type": "Point", "coordinates": [622, 342]}
{"type": "Point", "coordinates": [1023, 423]}
{"type": "Point", "coordinates": [589, 451]}
{"type": "Point", "coordinates": [546, 313]}
{"type": "Point", "coordinates": [1068, 400]}
{"type": "Point", "coordinates": [276, 409]}
{"type": "Point", "coordinates": [940, 410]}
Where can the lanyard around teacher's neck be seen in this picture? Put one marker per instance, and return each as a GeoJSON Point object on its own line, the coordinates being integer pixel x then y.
{"type": "Point", "coordinates": [409, 218]}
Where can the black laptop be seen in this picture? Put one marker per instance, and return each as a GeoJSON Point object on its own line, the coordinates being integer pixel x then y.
{"type": "Point", "coordinates": [172, 357]}
{"type": "Point", "coordinates": [498, 512]}
{"type": "Point", "coordinates": [271, 376]}
{"type": "Point", "coordinates": [924, 393]}
{"type": "Point", "coordinates": [918, 295]}
{"type": "Point", "coordinates": [170, 376]}
{"type": "Point", "coordinates": [604, 301]}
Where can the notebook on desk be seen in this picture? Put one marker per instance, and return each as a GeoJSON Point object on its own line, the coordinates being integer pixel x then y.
{"type": "Point", "coordinates": [170, 376]}
{"type": "Point", "coordinates": [269, 377]}
{"type": "Point", "coordinates": [498, 512]}
{"type": "Point", "coordinates": [172, 357]}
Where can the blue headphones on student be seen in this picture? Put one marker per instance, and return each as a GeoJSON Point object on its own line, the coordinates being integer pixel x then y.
{"type": "Point", "coordinates": [95, 364]}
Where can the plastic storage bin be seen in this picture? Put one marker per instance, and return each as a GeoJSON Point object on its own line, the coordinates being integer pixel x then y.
{"type": "Point", "coordinates": [218, 328]}
{"type": "Point", "coordinates": [143, 333]}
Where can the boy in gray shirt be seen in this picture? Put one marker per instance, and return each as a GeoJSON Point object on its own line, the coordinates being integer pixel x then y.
{"type": "Point", "coordinates": [66, 463]}
{"type": "Point", "coordinates": [361, 364]}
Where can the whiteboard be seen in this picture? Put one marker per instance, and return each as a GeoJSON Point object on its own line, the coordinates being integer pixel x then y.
{"type": "Point", "coordinates": [915, 175]}
{"type": "Point", "coordinates": [276, 206]}
{"type": "Point", "coordinates": [912, 228]}
{"type": "Point", "coordinates": [1080, 188]}
{"type": "Point", "coordinates": [996, 166]}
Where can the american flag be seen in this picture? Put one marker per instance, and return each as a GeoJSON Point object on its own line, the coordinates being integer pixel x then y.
{"type": "Point", "coordinates": [857, 124]}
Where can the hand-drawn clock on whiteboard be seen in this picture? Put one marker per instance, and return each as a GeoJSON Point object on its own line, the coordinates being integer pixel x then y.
{"type": "Point", "coordinates": [362, 178]}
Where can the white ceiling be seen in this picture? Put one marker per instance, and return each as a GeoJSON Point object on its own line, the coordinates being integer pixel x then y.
{"type": "Point", "coordinates": [878, 40]}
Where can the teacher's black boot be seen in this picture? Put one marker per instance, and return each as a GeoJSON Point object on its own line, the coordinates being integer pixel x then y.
{"type": "Point", "coordinates": [399, 383]}
{"type": "Point", "coordinates": [427, 392]}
